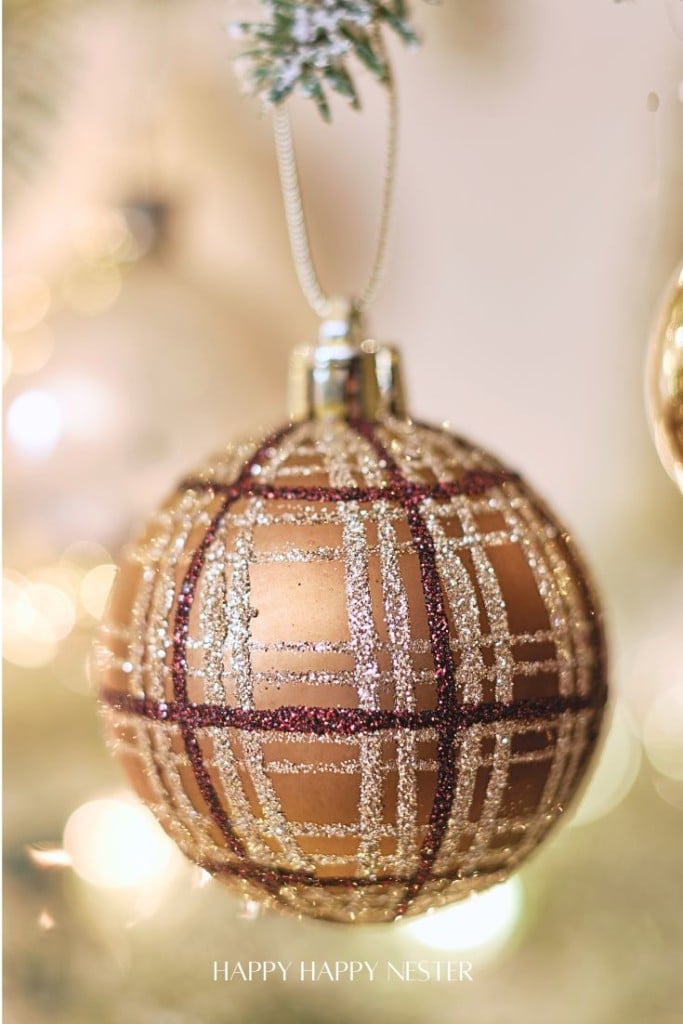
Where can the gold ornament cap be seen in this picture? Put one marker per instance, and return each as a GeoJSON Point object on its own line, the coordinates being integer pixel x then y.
{"type": "Point", "coordinates": [345, 376]}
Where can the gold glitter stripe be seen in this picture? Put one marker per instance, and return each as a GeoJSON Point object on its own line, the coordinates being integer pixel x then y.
{"type": "Point", "coordinates": [242, 817]}
{"type": "Point", "coordinates": [150, 624]}
{"type": "Point", "coordinates": [520, 519]}
{"type": "Point", "coordinates": [495, 790]}
{"type": "Point", "coordinates": [341, 830]}
{"type": "Point", "coordinates": [213, 622]}
{"type": "Point", "coordinates": [159, 766]}
{"type": "Point", "coordinates": [580, 629]}
{"type": "Point", "coordinates": [547, 808]}
{"type": "Point", "coordinates": [494, 604]}
{"type": "Point", "coordinates": [317, 514]}
{"type": "Point", "coordinates": [346, 767]}
{"type": "Point", "coordinates": [462, 598]}
{"type": "Point", "coordinates": [274, 822]}
{"type": "Point", "coordinates": [397, 617]}
{"type": "Point", "coordinates": [364, 641]}
{"type": "Point", "coordinates": [468, 754]}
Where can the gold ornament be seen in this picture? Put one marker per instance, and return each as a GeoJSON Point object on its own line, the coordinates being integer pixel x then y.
{"type": "Point", "coordinates": [665, 382]}
{"type": "Point", "coordinates": [356, 668]}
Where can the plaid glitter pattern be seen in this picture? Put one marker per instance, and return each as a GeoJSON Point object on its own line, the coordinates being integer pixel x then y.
{"type": "Point", "coordinates": [360, 672]}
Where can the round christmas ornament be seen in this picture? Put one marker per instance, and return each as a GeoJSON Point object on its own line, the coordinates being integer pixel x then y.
{"type": "Point", "coordinates": [665, 381]}
{"type": "Point", "coordinates": [355, 666]}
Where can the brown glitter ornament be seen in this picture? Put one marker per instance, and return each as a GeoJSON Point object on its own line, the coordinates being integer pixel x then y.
{"type": "Point", "coordinates": [355, 669]}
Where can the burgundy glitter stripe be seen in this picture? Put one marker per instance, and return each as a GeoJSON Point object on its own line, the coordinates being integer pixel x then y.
{"type": "Point", "coordinates": [180, 637]}
{"type": "Point", "coordinates": [472, 484]}
{"type": "Point", "coordinates": [439, 635]}
{"type": "Point", "coordinates": [317, 721]}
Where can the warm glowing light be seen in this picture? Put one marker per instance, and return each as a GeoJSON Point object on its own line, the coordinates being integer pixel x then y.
{"type": "Point", "coordinates": [17, 609]}
{"type": "Point", "coordinates": [29, 638]}
{"type": "Point", "coordinates": [95, 588]}
{"type": "Point", "coordinates": [27, 300]}
{"type": "Point", "coordinates": [6, 362]}
{"type": "Point", "coordinates": [54, 613]}
{"type": "Point", "coordinates": [250, 910]}
{"type": "Point", "coordinates": [89, 408]}
{"type": "Point", "coordinates": [49, 856]}
{"type": "Point", "coordinates": [25, 653]}
{"type": "Point", "coordinates": [116, 844]}
{"type": "Point", "coordinates": [200, 878]}
{"type": "Point", "coordinates": [670, 790]}
{"type": "Point", "coordinates": [663, 733]}
{"type": "Point", "coordinates": [100, 233]}
{"type": "Point", "coordinates": [34, 422]}
{"type": "Point", "coordinates": [39, 611]}
{"type": "Point", "coordinates": [86, 554]}
{"type": "Point", "coordinates": [63, 575]}
{"type": "Point", "coordinates": [484, 919]}
{"type": "Point", "coordinates": [615, 772]}
{"type": "Point", "coordinates": [32, 349]}
{"type": "Point", "coordinates": [46, 921]}
{"type": "Point", "coordinates": [93, 288]}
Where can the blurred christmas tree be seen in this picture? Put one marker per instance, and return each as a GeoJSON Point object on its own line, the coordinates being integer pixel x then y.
{"type": "Point", "coordinates": [39, 50]}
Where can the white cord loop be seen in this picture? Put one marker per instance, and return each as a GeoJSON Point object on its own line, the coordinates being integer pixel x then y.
{"type": "Point", "coordinates": [299, 242]}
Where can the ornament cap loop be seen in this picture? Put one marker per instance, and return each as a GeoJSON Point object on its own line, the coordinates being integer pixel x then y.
{"type": "Point", "coordinates": [341, 321]}
{"type": "Point", "coordinates": [341, 378]}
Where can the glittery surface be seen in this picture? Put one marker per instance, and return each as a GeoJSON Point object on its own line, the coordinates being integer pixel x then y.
{"type": "Point", "coordinates": [468, 679]}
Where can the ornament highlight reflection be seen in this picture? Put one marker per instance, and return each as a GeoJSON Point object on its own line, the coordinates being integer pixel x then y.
{"type": "Point", "coordinates": [483, 920]}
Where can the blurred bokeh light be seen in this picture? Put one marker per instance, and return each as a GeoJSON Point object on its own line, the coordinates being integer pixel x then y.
{"type": "Point", "coordinates": [35, 422]}
{"type": "Point", "coordinates": [116, 844]}
{"type": "Point", "coordinates": [480, 924]}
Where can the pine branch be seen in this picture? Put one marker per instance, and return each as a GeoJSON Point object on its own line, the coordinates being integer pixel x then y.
{"type": "Point", "coordinates": [305, 46]}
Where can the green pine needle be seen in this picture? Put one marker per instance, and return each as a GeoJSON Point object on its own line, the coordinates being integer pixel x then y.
{"type": "Point", "coordinates": [304, 46]}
